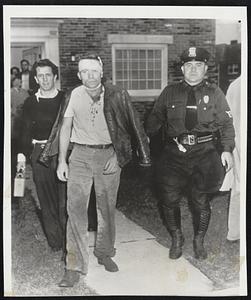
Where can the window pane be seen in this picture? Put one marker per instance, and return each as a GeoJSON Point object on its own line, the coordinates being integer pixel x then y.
{"type": "Point", "coordinates": [157, 84]}
{"type": "Point", "coordinates": [142, 74]}
{"type": "Point", "coordinates": [125, 54]}
{"type": "Point", "coordinates": [150, 84]}
{"type": "Point", "coordinates": [150, 64]}
{"type": "Point", "coordinates": [157, 74]}
{"type": "Point", "coordinates": [142, 54]}
{"type": "Point", "coordinates": [157, 54]}
{"type": "Point", "coordinates": [158, 64]}
{"type": "Point", "coordinates": [150, 74]}
{"type": "Point", "coordinates": [119, 75]}
{"type": "Point", "coordinates": [142, 64]}
{"type": "Point", "coordinates": [134, 54]}
{"type": "Point", "coordinates": [134, 65]}
{"type": "Point", "coordinates": [150, 54]}
{"type": "Point", "coordinates": [125, 65]}
{"type": "Point", "coordinates": [118, 65]}
{"type": "Point", "coordinates": [134, 85]}
{"type": "Point", "coordinates": [134, 74]}
{"type": "Point", "coordinates": [142, 85]}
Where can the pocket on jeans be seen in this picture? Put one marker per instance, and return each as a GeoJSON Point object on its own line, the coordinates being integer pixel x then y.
{"type": "Point", "coordinates": [71, 155]}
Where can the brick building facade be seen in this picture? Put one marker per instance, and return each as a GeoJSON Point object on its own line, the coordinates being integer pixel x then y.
{"type": "Point", "coordinates": [141, 55]}
{"type": "Point", "coordinates": [79, 36]}
{"type": "Point", "coordinates": [228, 63]}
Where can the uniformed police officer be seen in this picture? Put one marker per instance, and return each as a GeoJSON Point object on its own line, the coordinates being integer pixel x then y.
{"type": "Point", "coordinates": [194, 114]}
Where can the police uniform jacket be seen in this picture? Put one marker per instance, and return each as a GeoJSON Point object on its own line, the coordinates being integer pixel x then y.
{"type": "Point", "coordinates": [122, 123]}
{"type": "Point", "coordinates": [212, 110]}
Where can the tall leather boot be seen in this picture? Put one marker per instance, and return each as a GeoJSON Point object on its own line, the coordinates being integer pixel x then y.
{"type": "Point", "coordinates": [173, 224]}
{"type": "Point", "coordinates": [203, 219]}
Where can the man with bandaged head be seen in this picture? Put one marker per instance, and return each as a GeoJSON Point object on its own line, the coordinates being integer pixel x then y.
{"type": "Point", "coordinates": [99, 120]}
{"type": "Point", "coordinates": [196, 118]}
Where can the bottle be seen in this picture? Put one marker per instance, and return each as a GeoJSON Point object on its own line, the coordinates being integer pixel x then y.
{"type": "Point", "coordinates": [19, 181]}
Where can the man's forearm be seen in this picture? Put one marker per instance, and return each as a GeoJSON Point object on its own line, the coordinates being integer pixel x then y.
{"type": "Point", "coordinates": [64, 141]}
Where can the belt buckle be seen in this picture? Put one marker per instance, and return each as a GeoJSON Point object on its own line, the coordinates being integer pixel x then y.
{"type": "Point", "coordinates": [191, 139]}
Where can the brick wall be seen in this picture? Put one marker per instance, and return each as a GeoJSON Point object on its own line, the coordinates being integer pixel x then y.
{"type": "Point", "coordinates": [80, 35]}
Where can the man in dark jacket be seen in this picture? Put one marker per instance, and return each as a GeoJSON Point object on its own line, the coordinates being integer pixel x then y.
{"type": "Point", "coordinates": [39, 114]}
{"type": "Point", "coordinates": [100, 122]}
{"type": "Point", "coordinates": [194, 113]}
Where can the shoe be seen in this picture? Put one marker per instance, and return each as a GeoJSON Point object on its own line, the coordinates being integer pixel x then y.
{"type": "Point", "coordinates": [177, 243]}
{"type": "Point", "coordinates": [198, 247]}
{"type": "Point", "coordinates": [109, 264]}
{"type": "Point", "coordinates": [69, 279]}
{"type": "Point", "coordinates": [92, 228]}
{"type": "Point", "coordinates": [56, 249]}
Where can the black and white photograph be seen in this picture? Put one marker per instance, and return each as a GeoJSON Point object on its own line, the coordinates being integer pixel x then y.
{"type": "Point", "coordinates": [125, 136]}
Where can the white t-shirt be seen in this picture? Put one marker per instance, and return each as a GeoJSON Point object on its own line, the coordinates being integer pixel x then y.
{"type": "Point", "coordinates": [89, 124]}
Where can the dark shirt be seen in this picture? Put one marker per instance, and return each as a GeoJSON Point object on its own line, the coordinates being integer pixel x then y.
{"type": "Point", "coordinates": [38, 118]}
{"type": "Point", "coordinates": [213, 112]}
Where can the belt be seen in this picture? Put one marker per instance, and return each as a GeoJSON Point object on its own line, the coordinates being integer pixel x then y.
{"type": "Point", "coordinates": [101, 146]}
{"type": "Point", "coordinates": [34, 141]}
{"type": "Point", "coordinates": [192, 139]}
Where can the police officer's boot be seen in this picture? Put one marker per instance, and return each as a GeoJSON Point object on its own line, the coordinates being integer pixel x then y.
{"type": "Point", "coordinates": [173, 224]}
{"type": "Point", "coordinates": [198, 242]}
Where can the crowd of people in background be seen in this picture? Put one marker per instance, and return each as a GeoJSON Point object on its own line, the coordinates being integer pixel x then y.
{"type": "Point", "coordinates": [42, 129]}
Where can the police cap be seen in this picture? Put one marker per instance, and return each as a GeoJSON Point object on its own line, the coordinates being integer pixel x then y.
{"type": "Point", "coordinates": [194, 53]}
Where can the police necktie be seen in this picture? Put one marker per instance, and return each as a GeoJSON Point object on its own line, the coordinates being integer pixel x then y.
{"type": "Point", "coordinates": [191, 118]}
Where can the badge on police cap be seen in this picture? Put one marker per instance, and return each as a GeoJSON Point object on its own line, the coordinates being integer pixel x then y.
{"type": "Point", "coordinates": [206, 99]}
{"type": "Point", "coordinates": [192, 52]}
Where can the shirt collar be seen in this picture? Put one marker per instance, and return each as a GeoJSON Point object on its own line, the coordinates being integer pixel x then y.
{"type": "Point", "coordinates": [53, 94]}
{"type": "Point", "coordinates": [101, 94]}
{"type": "Point", "coordinates": [194, 87]}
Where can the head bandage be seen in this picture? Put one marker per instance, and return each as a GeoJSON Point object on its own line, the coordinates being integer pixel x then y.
{"type": "Point", "coordinates": [90, 64]}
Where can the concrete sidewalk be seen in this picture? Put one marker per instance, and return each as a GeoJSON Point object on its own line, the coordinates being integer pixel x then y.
{"type": "Point", "coordinates": [144, 267]}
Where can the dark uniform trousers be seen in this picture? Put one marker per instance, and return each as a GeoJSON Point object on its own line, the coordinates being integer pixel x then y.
{"type": "Point", "coordinates": [196, 174]}
{"type": "Point", "coordinates": [52, 197]}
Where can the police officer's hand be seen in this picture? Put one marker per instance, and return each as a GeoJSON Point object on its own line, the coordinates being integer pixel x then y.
{"type": "Point", "coordinates": [227, 160]}
{"type": "Point", "coordinates": [111, 165]}
{"type": "Point", "coordinates": [62, 171]}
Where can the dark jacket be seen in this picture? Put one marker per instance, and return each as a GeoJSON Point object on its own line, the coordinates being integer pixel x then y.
{"type": "Point", "coordinates": [33, 85]}
{"type": "Point", "coordinates": [213, 112]}
{"type": "Point", "coordinates": [123, 125]}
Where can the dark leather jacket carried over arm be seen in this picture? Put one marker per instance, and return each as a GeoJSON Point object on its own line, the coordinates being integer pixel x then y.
{"type": "Point", "coordinates": [123, 125]}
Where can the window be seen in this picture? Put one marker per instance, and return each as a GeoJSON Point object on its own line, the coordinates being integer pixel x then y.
{"type": "Point", "coordinates": [139, 63]}
{"type": "Point", "coordinates": [138, 69]}
{"type": "Point", "coordinates": [233, 69]}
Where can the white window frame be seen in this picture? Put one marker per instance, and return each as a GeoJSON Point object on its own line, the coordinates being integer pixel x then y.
{"type": "Point", "coordinates": [131, 41]}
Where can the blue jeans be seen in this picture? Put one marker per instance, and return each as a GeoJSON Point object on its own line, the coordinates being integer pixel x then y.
{"type": "Point", "coordinates": [85, 167]}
